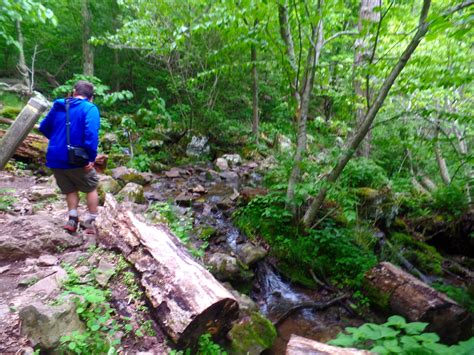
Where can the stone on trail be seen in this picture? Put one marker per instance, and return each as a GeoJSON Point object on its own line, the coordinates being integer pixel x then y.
{"type": "Point", "coordinates": [132, 193]}
{"type": "Point", "coordinates": [198, 147]}
{"type": "Point", "coordinates": [31, 236]}
{"type": "Point", "coordinates": [225, 267]}
{"type": "Point", "coordinates": [41, 193]}
{"type": "Point", "coordinates": [222, 164]}
{"type": "Point", "coordinates": [105, 270]}
{"type": "Point", "coordinates": [174, 173]}
{"type": "Point", "coordinates": [233, 159]}
{"type": "Point", "coordinates": [49, 285]}
{"type": "Point", "coordinates": [107, 184]}
{"type": "Point", "coordinates": [47, 260]}
{"type": "Point", "coordinates": [44, 325]}
{"type": "Point", "coordinates": [128, 175]}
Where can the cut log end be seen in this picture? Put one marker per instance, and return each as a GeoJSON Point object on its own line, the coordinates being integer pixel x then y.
{"type": "Point", "coordinates": [303, 346]}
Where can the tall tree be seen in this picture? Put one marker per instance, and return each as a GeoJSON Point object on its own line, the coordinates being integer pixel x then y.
{"type": "Point", "coordinates": [87, 49]}
{"type": "Point", "coordinates": [369, 14]}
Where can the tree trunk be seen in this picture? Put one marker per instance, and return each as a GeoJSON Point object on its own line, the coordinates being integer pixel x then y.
{"type": "Point", "coordinates": [287, 38]}
{"type": "Point", "coordinates": [187, 300]}
{"type": "Point", "coordinates": [354, 143]}
{"type": "Point", "coordinates": [391, 288]}
{"type": "Point", "coordinates": [443, 168]}
{"type": "Point", "coordinates": [32, 148]}
{"type": "Point", "coordinates": [87, 50]}
{"type": "Point", "coordinates": [303, 346]}
{"type": "Point", "coordinates": [22, 67]}
{"type": "Point", "coordinates": [362, 58]}
{"type": "Point", "coordinates": [20, 128]}
{"type": "Point", "coordinates": [317, 40]}
{"type": "Point", "coordinates": [464, 151]}
{"type": "Point", "coordinates": [255, 113]}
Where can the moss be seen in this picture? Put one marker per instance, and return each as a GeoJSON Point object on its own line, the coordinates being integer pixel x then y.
{"type": "Point", "coordinates": [206, 232]}
{"type": "Point", "coordinates": [376, 296]}
{"type": "Point", "coordinates": [10, 112]}
{"type": "Point", "coordinates": [366, 193]}
{"type": "Point", "coordinates": [252, 335]}
{"type": "Point", "coordinates": [423, 256]}
{"type": "Point", "coordinates": [296, 275]}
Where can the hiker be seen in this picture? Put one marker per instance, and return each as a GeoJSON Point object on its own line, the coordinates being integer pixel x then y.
{"type": "Point", "coordinates": [81, 135]}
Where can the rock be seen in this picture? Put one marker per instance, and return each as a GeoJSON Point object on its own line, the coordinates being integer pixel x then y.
{"type": "Point", "coordinates": [31, 236]}
{"type": "Point", "coordinates": [268, 163]}
{"type": "Point", "coordinates": [107, 184]}
{"type": "Point", "coordinates": [199, 189]}
{"type": "Point", "coordinates": [232, 159]}
{"type": "Point", "coordinates": [108, 140]}
{"type": "Point", "coordinates": [249, 193]}
{"type": "Point", "coordinates": [173, 173]}
{"type": "Point", "coordinates": [222, 164]}
{"type": "Point", "coordinates": [132, 193]}
{"type": "Point", "coordinates": [74, 257]}
{"type": "Point", "coordinates": [44, 324]}
{"type": "Point", "coordinates": [283, 143]}
{"type": "Point", "coordinates": [4, 268]}
{"type": "Point", "coordinates": [185, 199]}
{"type": "Point", "coordinates": [252, 335]}
{"type": "Point", "coordinates": [302, 346]}
{"type": "Point", "coordinates": [128, 175]}
{"type": "Point", "coordinates": [105, 270]}
{"type": "Point", "coordinates": [251, 254]}
{"type": "Point", "coordinates": [225, 267]}
{"type": "Point", "coordinates": [246, 304]}
{"type": "Point", "coordinates": [230, 177]}
{"type": "Point", "coordinates": [47, 260]}
{"type": "Point", "coordinates": [41, 193]}
{"type": "Point", "coordinates": [49, 285]}
{"type": "Point", "coordinates": [198, 147]}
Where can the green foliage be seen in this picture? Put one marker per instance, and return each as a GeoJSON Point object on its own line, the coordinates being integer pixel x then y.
{"type": "Point", "coordinates": [103, 98]}
{"type": "Point", "coordinates": [206, 346]}
{"type": "Point", "coordinates": [363, 172]}
{"type": "Point", "coordinates": [6, 199]}
{"type": "Point", "coordinates": [450, 199]}
{"type": "Point", "coordinates": [462, 295]}
{"type": "Point", "coordinates": [396, 336]}
{"type": "Point", "coordinates": [330, 251]}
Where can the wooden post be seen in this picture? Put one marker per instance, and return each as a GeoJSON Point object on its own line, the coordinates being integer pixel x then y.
{"type": "Point", "coordinates": [20, 128]}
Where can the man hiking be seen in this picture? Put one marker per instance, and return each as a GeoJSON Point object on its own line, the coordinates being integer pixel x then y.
{"type": "Point", "coordinates": [84, 123]}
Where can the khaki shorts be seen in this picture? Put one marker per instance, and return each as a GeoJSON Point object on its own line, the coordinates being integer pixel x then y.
{"type": "Point", "coordinates": [77, 179]}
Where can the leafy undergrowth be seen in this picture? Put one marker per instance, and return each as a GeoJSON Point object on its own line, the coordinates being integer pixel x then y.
{"type": "Point", "coordinates": [396, 336]}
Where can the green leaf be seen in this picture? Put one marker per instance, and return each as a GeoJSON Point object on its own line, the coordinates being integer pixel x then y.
{"type": "Point", "coordinates": [343, 340]}
{"type": "Point", "coordinates": [414, 328]}
{"type": "Point", "coordinates": [396, 321]}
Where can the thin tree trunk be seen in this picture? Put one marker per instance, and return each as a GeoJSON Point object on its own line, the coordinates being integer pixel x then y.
{"type": "Point", "coordinates": [22, 67]}
{"type": "Point", "coordinates": [317, 40]}
{"type": "Point", "coordinates": [287, 38]}
{"type": "Point", "coordinates": [463, 150]}
{"type": "Point", "coordinates": [362, 58]}
{"type": "Point", "coordinates": [354, 143]}
{"type": "Point", "coordinates": [443, 168]}
{"type": "Point", "coordinates": [255, 113]}
{"type": "Point", "coordinates": [87, 50]}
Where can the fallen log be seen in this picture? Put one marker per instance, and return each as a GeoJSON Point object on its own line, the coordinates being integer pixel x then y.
{"type": "Point", "coordinates": [395, 290]}
{"type": "Point", "coordinates": [186, 299]}
{"type": "Point", "coordinates": [32, 148]}
{"type": "Point", "coordinates": [303, 346]}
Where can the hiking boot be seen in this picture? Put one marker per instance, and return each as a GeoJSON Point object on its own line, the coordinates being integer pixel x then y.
{"type": "Point", "coordinates": [89, 227]}
{"type": "Point", "coordinates": [72, 224]}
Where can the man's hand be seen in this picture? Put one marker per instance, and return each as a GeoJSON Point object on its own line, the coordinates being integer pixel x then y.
{"type": "Point", "coordinates": [89, 167]}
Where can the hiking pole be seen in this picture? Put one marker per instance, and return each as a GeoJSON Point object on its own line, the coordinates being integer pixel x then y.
{"type": "Point", "coordinates": [20, 128]}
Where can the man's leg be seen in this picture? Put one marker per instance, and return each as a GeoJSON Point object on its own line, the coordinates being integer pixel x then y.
{"type": "Point", "coordinates": [72, 200]}
{"type": "Point", "coordinates": [92, 202]}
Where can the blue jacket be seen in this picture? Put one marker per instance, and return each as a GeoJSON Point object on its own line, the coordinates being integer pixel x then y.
{"type": "Point", "coordinates": [84, 131]}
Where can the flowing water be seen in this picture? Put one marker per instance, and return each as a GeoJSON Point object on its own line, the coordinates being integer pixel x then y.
{"type": "Point", "coordinates": [273, 294]}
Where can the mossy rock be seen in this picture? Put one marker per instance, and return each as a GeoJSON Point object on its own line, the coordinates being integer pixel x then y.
{"type": "Point", "coordinates": [206, 232]}
{"type": "Point", "coordinates": [423, 256]}
{"type": "Point", "coordinates": [377, 298]}
{"type": "Point", "coordinates": [252, 335]}
{"type": "Point", "coordinates": [10, 112]}
{"type": "Point", "coordinates": [132, 193]}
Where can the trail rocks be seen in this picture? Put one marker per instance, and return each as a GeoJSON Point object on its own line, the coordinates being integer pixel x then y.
{"type": "Point", "coordinates": [132, 193]}
{"type": "Point", "coordinates": [127, 175]}
{"type": "Point", "coordinates": [47, 260]}
{"type": "Point", "coordinates": [45, 325]}
{"type": "Point", "coordinates": [40, 193]}
{"type": "Point", "coordinates": [198, 147]}
{"type": "Point", "coordinates": [222, 164]}
{"type": "Point", "coordinates": [39, 234]}
{"type": "Point", "coordinates": [107, 184]}
{"type": "Point", "coordinates": [105, 270]}
{"type": "Point", "coordinates": [225, 267]}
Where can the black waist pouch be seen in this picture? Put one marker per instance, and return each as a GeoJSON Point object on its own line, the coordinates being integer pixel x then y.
{"type": "Point", "coordinates": [77, 156]}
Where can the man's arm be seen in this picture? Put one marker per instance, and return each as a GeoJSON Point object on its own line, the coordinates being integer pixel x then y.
{"type": "Point", "coordinates": [91, 134]}
{"type": "Point", "coordinates": [46, 124]}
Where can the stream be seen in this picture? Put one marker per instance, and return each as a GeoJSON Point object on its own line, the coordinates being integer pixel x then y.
{"type": "Point", "coordinates": [209, 197]}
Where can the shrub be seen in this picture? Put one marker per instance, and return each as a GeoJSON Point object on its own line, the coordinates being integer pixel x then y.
{"type": "Point", "coordinates": [363, 172]}
{"type": "Point", "coordinates": [450, 199]}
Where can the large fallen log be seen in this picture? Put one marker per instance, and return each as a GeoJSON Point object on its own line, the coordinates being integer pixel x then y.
{"type": "Point", "coordinates": [395, 290]}
{"type": "Point", "coordinates": [187, 300]}
{"type": "Point", "coordinates": [32, 148]}
{"type": "Point", "coordinates": [303, 346]}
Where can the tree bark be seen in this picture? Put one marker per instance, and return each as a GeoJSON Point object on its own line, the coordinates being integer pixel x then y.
{"type": "Point", "coordinates": [362, 58]}
{"type": "Point", "coordinates": [255, 113]}
{"type": "Point", "coordinates": [187, 300]}
{"type": "Point", "coordinates": [354, 143]}
{"type": "Point", "coordinates": [20, 128]}
{"type": "Point", "coordinates": [32, 148]}
{"type": "Point", "coordinates": [87, 50]}
{"type": "Point", "coordinates": [287, 38]}
{"type": "Point", "coordinates": [22, 67]}
{"type": "Point", "coordinates": [443, 168]}
{"type": "Point", "coordinates": [314, 52]}
{"type": "Point", "coordinates": [303, 346]}
{"type": "Point", "coordinates": [391, 288]}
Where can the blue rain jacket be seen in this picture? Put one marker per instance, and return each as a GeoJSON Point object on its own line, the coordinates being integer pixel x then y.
{"type": "Point", "coordinates": [84, 131]}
